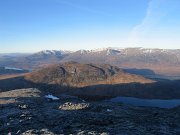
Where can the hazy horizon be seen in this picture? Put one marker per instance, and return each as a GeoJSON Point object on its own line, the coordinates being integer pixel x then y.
{"type": "Point", "coordinates": [35, 25]}
{"type": "Point", "coordinates": [61, 49]}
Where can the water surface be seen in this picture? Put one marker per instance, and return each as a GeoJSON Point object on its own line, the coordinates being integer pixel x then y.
{"type": "Point", "coordinates": [148, 102]}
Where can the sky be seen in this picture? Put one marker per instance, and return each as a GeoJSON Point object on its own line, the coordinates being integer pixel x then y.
{"type": "Point", "coordinates": [34, 25]}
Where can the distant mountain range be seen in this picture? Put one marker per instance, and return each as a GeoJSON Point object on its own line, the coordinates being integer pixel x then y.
{"type": "Point", "coordinates": [161, 61]}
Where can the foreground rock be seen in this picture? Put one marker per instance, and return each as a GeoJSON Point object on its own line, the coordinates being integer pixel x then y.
{"type": "Point", "coordinates": [16, 95]}
{"type": "Point", "coordinates": [73, 106]}
{"type": "Point", "coordinates": [71, 115]}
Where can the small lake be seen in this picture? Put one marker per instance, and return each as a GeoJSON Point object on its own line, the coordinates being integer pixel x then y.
{"type": "Point", "coordinates": [148, 102]}
{"type": "Point", "coordinates": [12, 68]}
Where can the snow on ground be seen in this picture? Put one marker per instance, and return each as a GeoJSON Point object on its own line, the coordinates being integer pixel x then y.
{"type": "Point", "coordinates": [109, 110]}
{"type": "Point", "coordinates": [51, 97]}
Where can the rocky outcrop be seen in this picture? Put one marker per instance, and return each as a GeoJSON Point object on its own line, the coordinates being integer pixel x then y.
{"type": "Point", "coordinates": [73, 106]}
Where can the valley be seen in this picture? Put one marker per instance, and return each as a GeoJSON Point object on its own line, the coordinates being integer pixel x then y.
{"type": "Point", "coordinates": [89, 67]}
{"type": "Point", "coordinates": [161, 61]}
{"type": "Point", "coordinates": [92, 81]}
{"type": "Point", "coordinates": [49, 93]}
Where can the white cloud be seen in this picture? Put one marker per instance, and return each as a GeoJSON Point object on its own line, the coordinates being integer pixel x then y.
{"type": "Point", "coordinates": [152, 28]}
{"type": "Point", "coordinates": [151, 18]}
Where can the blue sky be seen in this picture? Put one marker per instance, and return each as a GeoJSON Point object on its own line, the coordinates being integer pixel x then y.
{"type": "Point", "coordinates": [34, 25]}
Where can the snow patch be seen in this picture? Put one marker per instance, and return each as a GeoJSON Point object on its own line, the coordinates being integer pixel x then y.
{"type": "Point", "coordinates": [84, 51]}
{"type": "Point", "coordinates": [55, 52]}
{"type": "Point", "coordinates": [51, 97]}
{"type": "Point", "coordinates": [98, 50]}
{"type": "Point", "coordinates": [148, 51]}
{"type": "Point", "coordinates": [109, 110]}
{"type": "Point", "coordinates": [113, 52]}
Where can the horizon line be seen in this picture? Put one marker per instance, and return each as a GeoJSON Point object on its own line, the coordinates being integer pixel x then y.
{"type": "Point", "coordinates": [103, 48]}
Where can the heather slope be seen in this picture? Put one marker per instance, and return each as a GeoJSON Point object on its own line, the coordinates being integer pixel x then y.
{"type": "Point", "coordinates": [80, 75]}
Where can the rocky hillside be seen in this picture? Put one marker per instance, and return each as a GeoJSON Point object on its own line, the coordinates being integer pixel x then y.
{"type": "Point", "coordinates": [80, 75]}
{"type": "Point", "coordinates": [92, 81]}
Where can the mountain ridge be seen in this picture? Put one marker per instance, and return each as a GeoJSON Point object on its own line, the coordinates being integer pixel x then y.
{"type": "Point", "coordinates": [161, 61]}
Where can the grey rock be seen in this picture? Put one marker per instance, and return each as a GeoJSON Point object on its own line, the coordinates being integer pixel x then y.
{"type": "Point", "coordinates": [73, 116]}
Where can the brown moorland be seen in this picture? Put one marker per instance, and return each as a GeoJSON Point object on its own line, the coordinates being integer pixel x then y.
{"type": "Point", "coordinates": [80, 75]}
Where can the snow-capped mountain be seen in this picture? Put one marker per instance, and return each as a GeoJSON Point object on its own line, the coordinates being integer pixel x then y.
{"type": "Point", "coordinates": [128, 51]}
{"type": "Point", "coordinates": [48, 55]}
{"type": "Point", "coordinates": [53, 52]}
{"type": "Point", "coordinates": [159, 60]}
